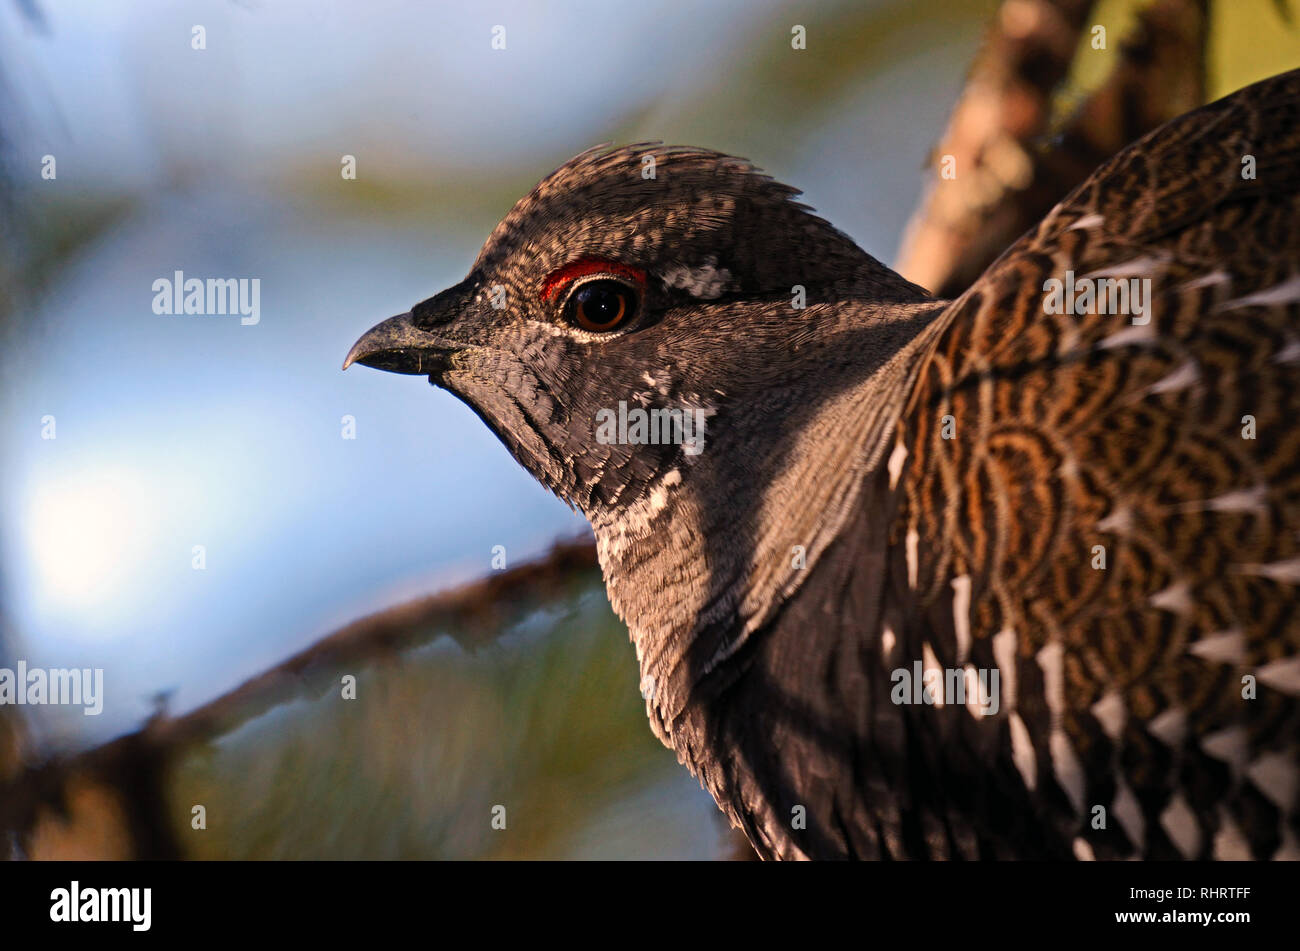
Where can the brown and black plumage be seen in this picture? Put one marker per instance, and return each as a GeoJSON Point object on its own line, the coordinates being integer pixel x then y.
{"type": "Point", "coordinates": [1102, 508]}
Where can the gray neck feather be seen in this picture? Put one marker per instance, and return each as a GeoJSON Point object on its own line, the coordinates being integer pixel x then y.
{"type": "Point", "coordinates": [702, 559]}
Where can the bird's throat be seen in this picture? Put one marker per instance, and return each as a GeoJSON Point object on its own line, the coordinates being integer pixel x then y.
{"type": "Point", "coordinates": [702, 559]}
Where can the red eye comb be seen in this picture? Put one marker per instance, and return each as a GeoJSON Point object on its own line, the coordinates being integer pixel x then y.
{"type": "Point", "coordinates": [560, 278]}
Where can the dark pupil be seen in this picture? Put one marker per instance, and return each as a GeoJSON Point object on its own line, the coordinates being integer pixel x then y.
{"type": "Point", "coordinates": [600, 302]}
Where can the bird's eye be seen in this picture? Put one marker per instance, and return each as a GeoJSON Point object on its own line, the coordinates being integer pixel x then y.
{"type": "Point", "coordinates": [602, 305]}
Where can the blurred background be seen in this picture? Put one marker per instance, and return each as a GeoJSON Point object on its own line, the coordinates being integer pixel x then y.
{"type": "Point", "coordinates": [175, 432]}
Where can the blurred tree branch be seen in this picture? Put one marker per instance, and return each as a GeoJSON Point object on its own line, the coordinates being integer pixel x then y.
{"type": "Point", "coordinates": [60, 808]}
{"type": "Point", "coordinates": [1010, 165]}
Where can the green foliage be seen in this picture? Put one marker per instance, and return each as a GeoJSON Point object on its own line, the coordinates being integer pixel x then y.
{"type": "Point", "coordinates": [547, 722]}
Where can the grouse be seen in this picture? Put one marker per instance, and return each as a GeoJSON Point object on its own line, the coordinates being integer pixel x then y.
{"type": "Point", "coordinates": [1010, 576]}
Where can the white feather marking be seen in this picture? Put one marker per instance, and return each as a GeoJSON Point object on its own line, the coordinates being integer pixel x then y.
{"type": "Point", "coordinates": [1231, 745]}
{"type": "Point", "coordinates": [1052, 660]}
{"type": "Point", "coordinates": [1145, 266]}
{"type": "Point", "coordinates": [930, 662]}
{"type": "Point", "coordinates": [1180, 822]}
{"type": "Point", "coordinates": [1119, 521]}
{"type": "Point", "coordinates": [1170, 727]}
{"type": "Point", "coordinates": [887, 641]}
{"type": "Point", "coordinates": [1289, 850]}
{"type": "Point", "coordinates": [1206, 280]}
{"type": "Point", "coordinates": [1283, 675]}
{"type": "Point", "coordinates": [639, 517]}
{"type": "Point", "coordinates": [1129, 813]}
{"type": "Point", "coordinates": [1067, 768]}
{"type": "Point", "coordinates": [1281, 293]}
{"type": "Point", "coordinates": [895, 465]}
{"type": "Point", "coordinates": [1223, 647]}
{"type": "Point", "coordinates": [1287, 572]}
{"type": "Point", "coordinates": [1083, 851]}
{"type": "Point", "coordinates": [1187, 375]}
{"type": "Point", "coordinates": [1129, 336]}
{"type": "Point", "coordinates": [1069, 338]}
{"type": "Point", "coordinates": [1004, 654]}
{"type": "Point", "coordinates": [1111, 714]}
{"type": "Point", "coordinates": [1229, 843]}
{"type": "Point", "coordinates": [1022, 752]}
{"type": "Point", "coordinates": [658, 500]}
{"type": "Point", "coordinates": [1290, 353]}
{"type": "Point", "coordinates": [961, 615]}
{"type": "Point", "coordinates": [974, 706]}
{"type": "Point", "coordinates": [1087, 221]}
{"type": "Point", "coordinates": [912, 540]}
{"type": "Point", "coordinates": [1242, 500]}
{"type": "Point", "coordinates": [706, 282]}
{"type": "Point", "coordinates": [1274, 774]}
{"type": "Point", "coordinates": [1177, 599]}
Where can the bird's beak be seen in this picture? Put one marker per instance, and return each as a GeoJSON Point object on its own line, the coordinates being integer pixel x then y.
{"type": "Point", "coordinates": [398, 346]}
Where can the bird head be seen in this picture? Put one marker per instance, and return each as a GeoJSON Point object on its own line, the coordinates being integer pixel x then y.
{"type": "Point", "coordinates": [644, 278]}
